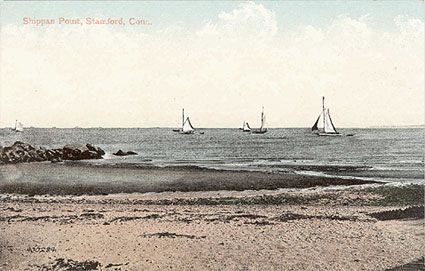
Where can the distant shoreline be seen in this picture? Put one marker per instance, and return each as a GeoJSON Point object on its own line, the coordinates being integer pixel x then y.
{"type": "Point", "coordinates": [419, 126]}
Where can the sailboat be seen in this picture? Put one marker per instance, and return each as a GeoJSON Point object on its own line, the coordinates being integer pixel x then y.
{"type": "Point", "coordinates": [323, 125]}
{"type": "Point", "coordinates": [18, 127]}
{"type": "Point", "coordinates": [187, 127]}
{"type": "Point", "coordinates": [245, 127]}
{"type": "Point", "coordinates": [261, 130]}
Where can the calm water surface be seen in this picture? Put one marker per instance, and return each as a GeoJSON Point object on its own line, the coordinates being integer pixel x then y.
{"type": "Point", "coordinates": [392, 155]}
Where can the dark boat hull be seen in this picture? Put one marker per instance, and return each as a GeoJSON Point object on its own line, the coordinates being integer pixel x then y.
{"type": "Point", "coordinates": [187, 132]}
{"type": "Point", "coordinates": [259, 131]}
{"type": "Point", "coordinates": [329, 134]}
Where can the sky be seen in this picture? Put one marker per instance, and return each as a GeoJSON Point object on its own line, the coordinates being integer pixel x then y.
{"type": "Point", "coordinates": [220, 60]}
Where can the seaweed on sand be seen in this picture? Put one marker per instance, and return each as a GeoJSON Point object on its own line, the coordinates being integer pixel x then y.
{"type": "Point", "coordinates": [172, 235]}
{"type": "Point", "coordinates": [61, 264]}
{"type": "Point", "coordinates": [415, 212]}
{"type": "Point", "coordinates": [407, 195]}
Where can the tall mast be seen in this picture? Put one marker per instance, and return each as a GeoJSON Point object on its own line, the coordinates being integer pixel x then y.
{"type": "Point", "coordinates": [262, 118]}
{"type": "Point", "coordinates": [323, 106]}
{"type": "Point", "coordinates": [182, 118]}
{"type": "Point", "coordinates": [16, 124]}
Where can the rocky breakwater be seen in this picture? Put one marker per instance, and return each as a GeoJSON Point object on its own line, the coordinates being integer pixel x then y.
{"type": "Point", "coordinates": [21, 152]}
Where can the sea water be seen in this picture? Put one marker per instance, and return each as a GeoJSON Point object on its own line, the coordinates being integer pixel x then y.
{"type": "Point", "coordinates": [389, 155]}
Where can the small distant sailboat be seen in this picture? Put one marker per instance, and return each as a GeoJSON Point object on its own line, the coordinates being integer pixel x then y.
{"type": "Point", "coordinates": [245, 127]}
{"type": "Point", "coordinates": [18, 127]}
{"type": "Point", "coordinates": [323, 125]}
{"type": "Point", "coordinates": [187, 127]}
{"type": "Point", "coordinates": [261, 130]}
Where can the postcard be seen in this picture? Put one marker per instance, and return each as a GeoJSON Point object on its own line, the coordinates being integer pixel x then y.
{"type": "Point", "coordinates": [212, 135]}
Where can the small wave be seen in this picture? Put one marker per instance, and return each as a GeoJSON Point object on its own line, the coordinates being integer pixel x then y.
{"type": "Point", "coordinates": [108, 156]}
{"type": "Point", "coordinates": [375, 179]}
{"type": "Point", "coordinates": [378, 168]}
{"type": "Point", "coordinates": [410, 162]}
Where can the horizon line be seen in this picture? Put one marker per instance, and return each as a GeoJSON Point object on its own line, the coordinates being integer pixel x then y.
{"type": "Point", "coordinates": [174, 127]}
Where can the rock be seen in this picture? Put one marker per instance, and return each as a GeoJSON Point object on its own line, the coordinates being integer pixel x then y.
{"type": "Point", "coordinates": [119, 153]}
{"type": "Point", "coordinates": [22, 152]}
{"type": "Point", "coordinates": [22, 146]}
{"type": "Point", "coordinates": [51, 154]}
{"type": "Point", "coordinates": [123, 153]}
{"type": "Point", "coordinates": [90, 147]}
{"type": "Point", "coordinates": [55, 159]}
{"type": "Point", "coordinates": [13, 154]}
{"type": "Point", "coordinates": [90, 155]}
{"type": "Point", "coordinates": [32, 156]}
{"type": "Point", "coordinates": [100, 151]}
{"type": "Point", "coordinates": [72, 152]}
{"type": "Point", "coordinates": [80, 152]}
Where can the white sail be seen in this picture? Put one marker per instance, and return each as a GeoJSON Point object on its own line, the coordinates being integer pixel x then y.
{"type": "Point", "coordinates": [324, 123]}
{"type": "Point", "coordinates": [246, 126]}
{"type": "Point", "coordinates": [187, 126]}
{"type": "Point", "coordinates": [19, 127]}
{"type": "Point", "coordinates": [329, 127]}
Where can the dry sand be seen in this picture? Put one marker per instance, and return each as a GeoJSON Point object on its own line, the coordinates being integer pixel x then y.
{"type": "Point", "coordinates": [70, 233]}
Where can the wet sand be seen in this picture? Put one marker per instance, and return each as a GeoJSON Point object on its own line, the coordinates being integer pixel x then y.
{"type": "Point", "coordinates": [79, 179]}
{"type": "Point", "coordinates": [136, 233]}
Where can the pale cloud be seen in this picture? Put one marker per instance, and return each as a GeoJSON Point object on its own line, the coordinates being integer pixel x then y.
{"type": "Point", "coordinates": [249, 21]}
{"type": "Point", "coordinates": [410, 26]}
{"type": "Point", "coordinates": [222, 73]}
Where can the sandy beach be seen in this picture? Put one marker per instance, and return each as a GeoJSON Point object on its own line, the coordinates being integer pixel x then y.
{"type": "Point", "coordinates": [317, 230]}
